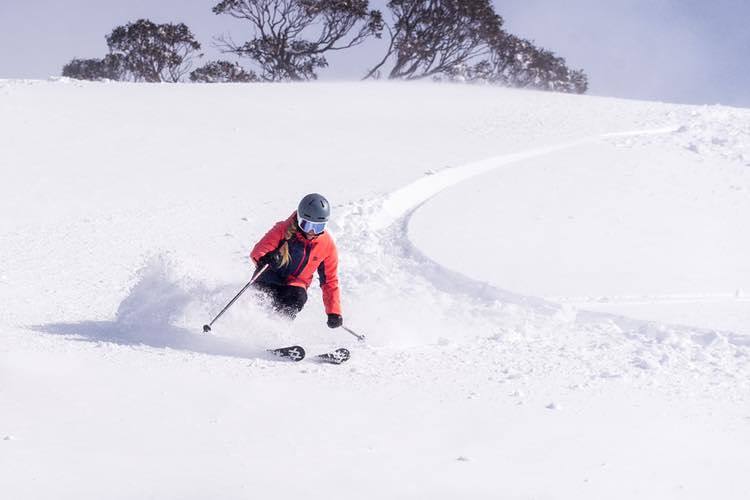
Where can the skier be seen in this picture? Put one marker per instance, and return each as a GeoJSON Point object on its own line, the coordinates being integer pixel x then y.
{"type": "Point", "coordinates": [293, 250]}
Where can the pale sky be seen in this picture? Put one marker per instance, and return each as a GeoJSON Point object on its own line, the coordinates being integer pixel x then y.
{"type": "Point", "coordinates": [691, 51]}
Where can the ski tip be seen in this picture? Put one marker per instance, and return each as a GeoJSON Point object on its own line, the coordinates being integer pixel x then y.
{"type": "Point", "coordinates": [292, 353]}
{"type": "Point", "coordinates": [335, 358]}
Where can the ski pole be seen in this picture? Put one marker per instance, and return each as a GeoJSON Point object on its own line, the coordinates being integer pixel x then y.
{"type": "Point", "coordinates": [361, 338]}
{"type": "Point", "coordinates": [207, 328]}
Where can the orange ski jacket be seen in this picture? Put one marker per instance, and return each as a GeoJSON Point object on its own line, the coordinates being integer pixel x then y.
{"type": "Point", "coordinates": [306, 256]}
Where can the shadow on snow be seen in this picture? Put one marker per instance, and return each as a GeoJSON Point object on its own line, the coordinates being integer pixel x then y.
{"type": "Point", "coordinates": [146, 317]}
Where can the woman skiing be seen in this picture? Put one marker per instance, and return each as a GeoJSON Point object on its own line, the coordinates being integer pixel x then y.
{"type": "Point", "coordinates": [293, 250]}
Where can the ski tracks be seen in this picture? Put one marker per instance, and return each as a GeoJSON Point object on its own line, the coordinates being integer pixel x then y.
{"type": "Point", "coordinates": [527, 335]}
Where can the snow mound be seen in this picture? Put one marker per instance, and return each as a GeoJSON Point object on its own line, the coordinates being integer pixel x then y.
{"type": "Point", "coordinates": [711, 132]}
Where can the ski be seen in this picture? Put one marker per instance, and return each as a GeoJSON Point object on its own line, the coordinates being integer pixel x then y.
{"type": "Point", "coordinates": [335, 357]}
{"type": "Point", "coordinates": [292, 353]}
{"type": "Point", "coordinates": [297, 353]}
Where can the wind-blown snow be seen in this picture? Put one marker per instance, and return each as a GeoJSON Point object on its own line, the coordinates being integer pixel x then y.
{"type": "Point", "coordinates": [553, 289]}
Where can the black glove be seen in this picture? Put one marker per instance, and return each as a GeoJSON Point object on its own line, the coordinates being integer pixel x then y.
{"type": "Point", "coordinates": [273, 259]}
{"type": "Point", "coordinates": [335, 320]}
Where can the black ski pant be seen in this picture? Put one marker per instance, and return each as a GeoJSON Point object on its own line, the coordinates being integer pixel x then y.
{"type": "Point", "coordinates": [286, 300]}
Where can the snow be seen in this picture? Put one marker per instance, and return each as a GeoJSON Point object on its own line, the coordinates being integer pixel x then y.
{"type": "Point", "coordinates": [651, 226]}
{"type": "Point", "coordinates": [553, 290]}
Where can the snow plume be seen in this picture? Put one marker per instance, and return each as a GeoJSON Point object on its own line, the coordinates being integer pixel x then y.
{"type": "Point", "coordinates": [156, 299]}
{"type": "Point", "coordinates": [383, 267]}
{"type": "Point", "coordinates": [162, 311]}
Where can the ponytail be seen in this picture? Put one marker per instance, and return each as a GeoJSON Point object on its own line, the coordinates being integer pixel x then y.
{"type": "Point", "coordinates": [291, 230]}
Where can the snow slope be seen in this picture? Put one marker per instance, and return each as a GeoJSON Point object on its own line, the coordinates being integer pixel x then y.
{"type": "Point", "coordinates": [520, 263]}
{"type": "Point", "coordinates": [656, 231]}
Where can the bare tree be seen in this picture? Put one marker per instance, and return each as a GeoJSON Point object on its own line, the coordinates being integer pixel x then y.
{"type": "Point", "coordinates": [154, 52]}
{"type": "Point", "coordinates": [141, 51]}
{"type": "Point", "coordinates": [433, 37]}
{"type": "Point", "coordinates": [222, 72]}
{"type": "Point", "coordinates": [465, 40]}
{"type": "Point", "coordinates": [291, 37]}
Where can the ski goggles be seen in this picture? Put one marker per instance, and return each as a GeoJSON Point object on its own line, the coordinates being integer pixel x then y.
{"type": "Point", "coordinates": [310, 226]}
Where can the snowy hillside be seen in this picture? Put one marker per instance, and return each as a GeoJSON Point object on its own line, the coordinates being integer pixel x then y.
{"type": "Point", "coordinates": [555, 290]}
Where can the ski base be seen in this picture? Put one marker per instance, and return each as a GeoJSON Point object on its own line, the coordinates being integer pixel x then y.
{"type": "Point", "coordinates": [292, 353]}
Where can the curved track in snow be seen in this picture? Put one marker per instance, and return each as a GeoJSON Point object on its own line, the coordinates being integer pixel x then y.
{"type": "Point", "coordinates": [388, 267]}
{"type": "Point", "coordinates": [403, 201]}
